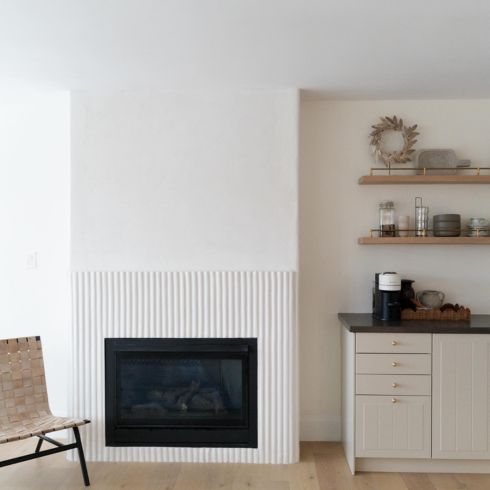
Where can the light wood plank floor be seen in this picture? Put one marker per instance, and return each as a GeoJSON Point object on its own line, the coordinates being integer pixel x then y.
{"type": "Point", "coordinates": [322, 467]}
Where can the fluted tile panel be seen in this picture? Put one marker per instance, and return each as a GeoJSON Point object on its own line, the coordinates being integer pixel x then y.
{"type": "Point", "coordinates": [189, 304]}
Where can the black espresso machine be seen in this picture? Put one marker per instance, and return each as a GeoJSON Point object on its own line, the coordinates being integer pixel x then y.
{"type": "Point", "coordinates": [387, 296]}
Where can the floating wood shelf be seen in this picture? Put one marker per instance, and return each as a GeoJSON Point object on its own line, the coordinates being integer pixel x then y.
{"type": "Point", "coordinates": [423, 179]}
{"type": "Point", "coordinates": [429, 240]}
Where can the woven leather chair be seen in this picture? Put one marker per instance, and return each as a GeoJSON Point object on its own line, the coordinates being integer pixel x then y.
{"type": "Point", "coordinates": [24, 408]}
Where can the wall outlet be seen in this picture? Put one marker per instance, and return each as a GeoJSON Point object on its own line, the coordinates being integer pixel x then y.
{"type": "Point", "coordinates": [32, 260]}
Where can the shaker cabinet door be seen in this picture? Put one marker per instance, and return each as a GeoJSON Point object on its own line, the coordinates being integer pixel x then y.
{"type": "Point", "coordinates": [393, 427]}
{"type": "Point", "coordinates": [460, 414]}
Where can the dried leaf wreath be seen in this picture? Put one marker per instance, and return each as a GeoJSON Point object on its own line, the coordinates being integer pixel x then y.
{"type": "Point", "coordinates": [393, 124]}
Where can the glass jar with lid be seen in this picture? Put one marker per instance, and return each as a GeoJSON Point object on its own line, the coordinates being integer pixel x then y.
{"type": "Point", "coordinates": [386, 218]}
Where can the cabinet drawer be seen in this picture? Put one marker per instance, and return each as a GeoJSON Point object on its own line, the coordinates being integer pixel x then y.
{"type": "Point", "coordinates": [393, 363]}
{"type": "Point", "coordinates": [393, 427]}
{"type": "Point", "coordinates": [392, 342]}
{"type": "Point", "coordinates": [387, 384]}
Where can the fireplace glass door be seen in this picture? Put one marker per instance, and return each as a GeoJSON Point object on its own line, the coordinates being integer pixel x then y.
{"type": "Point", "coordinates": [198, 390]}
{"type": "Point", "coordinates": [189, 392]}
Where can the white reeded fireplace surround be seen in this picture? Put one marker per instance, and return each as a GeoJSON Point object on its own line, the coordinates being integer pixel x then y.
{"type": "Point", "coordinates": [189, 305]}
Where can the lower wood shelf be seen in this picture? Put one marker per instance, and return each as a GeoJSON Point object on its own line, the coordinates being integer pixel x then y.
{"type": "Point", "coordinates": [428, 240]}
{"type": "Point", "coordinates": [423, 179]}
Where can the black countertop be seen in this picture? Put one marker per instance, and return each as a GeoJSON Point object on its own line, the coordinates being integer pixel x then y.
{"type": "Point", "coordinates": [364, 322]}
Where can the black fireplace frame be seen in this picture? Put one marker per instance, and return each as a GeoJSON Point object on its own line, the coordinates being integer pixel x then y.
{"type": "Point", "coordinates": [243, 435]}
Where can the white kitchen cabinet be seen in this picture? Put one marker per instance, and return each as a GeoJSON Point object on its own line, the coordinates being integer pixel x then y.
{"type": "Point", "coordinates": [393, 427]}
{"type": "Point", "coordinates": [393, 395]}
{"type": "Point", "coordinates": [416, 402]}
{"type": "Point", "coordinates": [461, 409]}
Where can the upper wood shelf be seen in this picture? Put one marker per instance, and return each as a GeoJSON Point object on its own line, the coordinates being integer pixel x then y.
{"type": "Point", "coordinates": [429, 240]}
{"type": "Point", "coordinates": [423, 179]}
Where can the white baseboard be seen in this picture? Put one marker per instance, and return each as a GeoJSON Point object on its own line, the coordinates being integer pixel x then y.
{"type": "Point", "coordinates": [320, 428]}
{"type": "Point", "coordinates": [422, 465]}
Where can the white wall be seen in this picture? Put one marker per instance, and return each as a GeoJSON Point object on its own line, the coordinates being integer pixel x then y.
{"type": "Point", "coordinates": [190, 181]}
{"type": "Point", "coordinates": [34, 217]}
{"type": "Point", "coordinates": [336, 274]}
{"type": "Point", "coordinates": [184, 180]}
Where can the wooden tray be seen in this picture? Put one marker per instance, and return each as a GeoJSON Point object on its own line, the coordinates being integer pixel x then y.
{"type": "Point", "coordinates": [447, 315]}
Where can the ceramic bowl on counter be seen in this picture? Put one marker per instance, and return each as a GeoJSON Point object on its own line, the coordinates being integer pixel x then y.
{"type": "Point", "coordinates": [431, 299]}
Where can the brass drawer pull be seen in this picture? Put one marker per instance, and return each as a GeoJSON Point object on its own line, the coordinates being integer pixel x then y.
{"type": "Point", "coordinates": [394, 385]}
{"type": "Point", "coordinates": [394, 342]}
{"type": "Point", "coordinates": [394, 364]}
{"type": "Point", "coordinates": [394, 400]}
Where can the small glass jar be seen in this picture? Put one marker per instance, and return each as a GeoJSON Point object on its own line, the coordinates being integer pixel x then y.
{"type": "Point", "coordinates": [386, 218]}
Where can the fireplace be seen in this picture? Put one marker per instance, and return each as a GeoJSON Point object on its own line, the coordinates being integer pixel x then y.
{"type": "Point", "coordinates": [181, 392]}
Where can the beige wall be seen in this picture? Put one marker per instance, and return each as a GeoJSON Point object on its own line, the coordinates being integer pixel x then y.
{"type": "Point", "coordinates": [335, 273]}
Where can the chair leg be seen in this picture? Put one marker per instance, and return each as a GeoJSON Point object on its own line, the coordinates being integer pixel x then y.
{"type": "Point", "coordinates": [83, 465]}
{"type": "Point", "coordinates": [38, 447]}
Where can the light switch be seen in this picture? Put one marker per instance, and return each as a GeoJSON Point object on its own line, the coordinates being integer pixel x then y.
{"type": "Point", "coordinates": [32, 260]}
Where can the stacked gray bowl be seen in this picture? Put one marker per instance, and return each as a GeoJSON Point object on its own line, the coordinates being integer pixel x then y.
{"type": "Point", "coordinates": [447, 225]}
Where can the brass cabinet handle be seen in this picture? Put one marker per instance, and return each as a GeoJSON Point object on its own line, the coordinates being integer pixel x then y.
{"type": "Point", "coordinates": [394, 385]}
{"type": "Point", "coordinates": [394, 364]}
{"type": "Point", "coordinates": [394, 342]}
{"type": "Point", "coordinates": [394, 400]}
